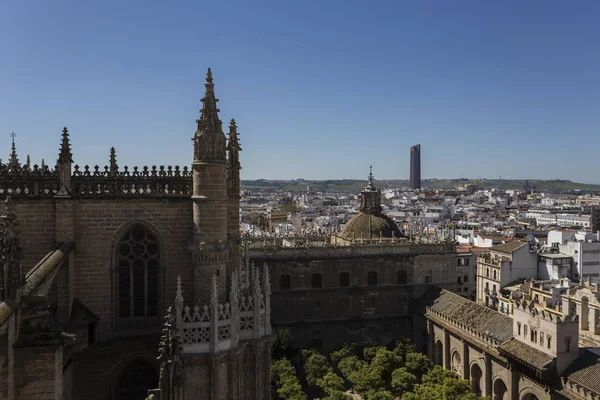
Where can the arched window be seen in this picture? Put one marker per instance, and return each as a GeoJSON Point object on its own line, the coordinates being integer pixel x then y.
{"type": "Point", "coordinates": [402, 278]}
{"type": "Point", "coordinates": [372, 278]}
{"type": "Point", "coordinates": [138, 262]}
{"type": "Point", "coordinates": [285, 282]}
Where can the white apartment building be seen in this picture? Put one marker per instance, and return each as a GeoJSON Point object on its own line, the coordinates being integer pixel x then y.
{"type": "Point", "coordinates": [583, 221]}
{"type": "Point", "coordinates": [583, 247]}
{"type": "Point", "coordinates": [505, 264]}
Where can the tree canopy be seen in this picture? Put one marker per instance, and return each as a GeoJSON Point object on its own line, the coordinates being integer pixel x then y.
{"type": "Point", "coordinates": [396, 372]}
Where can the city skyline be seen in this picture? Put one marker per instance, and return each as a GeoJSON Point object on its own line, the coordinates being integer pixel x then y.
{"type": "Point", "coordinates": [489, 90]}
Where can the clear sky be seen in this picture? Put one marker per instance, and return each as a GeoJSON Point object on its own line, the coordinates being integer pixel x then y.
{"type": "Point", "coordinates": [320, 89]}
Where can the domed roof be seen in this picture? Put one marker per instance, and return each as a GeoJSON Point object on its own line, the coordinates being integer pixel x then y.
{"type": "Point", "coordinates": [370, 226]}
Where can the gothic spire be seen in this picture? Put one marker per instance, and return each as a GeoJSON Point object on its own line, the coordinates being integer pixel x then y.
{"type": "Point", "coordinates": [14, 160]}
{"type": "Point", "coordinates": [65, 156]}
{"type": "Point", "coordinates": [209, 140]}
{"type": "Point", "coordinates": [28, 162]}
{"type": "Point", "coordinates": [209, 114]}
{"type": "Point", "coordinates": [113, 161]}
{"type": "Point", "coordinates": [233, 146]}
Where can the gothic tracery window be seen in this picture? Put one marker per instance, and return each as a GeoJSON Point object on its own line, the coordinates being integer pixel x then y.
{"type": "Point", "coordinates": [138, 262]}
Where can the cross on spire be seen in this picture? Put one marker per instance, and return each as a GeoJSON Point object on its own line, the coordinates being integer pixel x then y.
{"type": "Point", "coordinates": [13, 135]}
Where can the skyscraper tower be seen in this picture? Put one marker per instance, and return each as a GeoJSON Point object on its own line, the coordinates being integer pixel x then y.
{"type": "Point", "coordinates": [415, 167]}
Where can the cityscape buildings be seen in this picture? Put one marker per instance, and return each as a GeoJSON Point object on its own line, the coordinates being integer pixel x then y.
{"type": "Point", "coordinates": [103, 270]}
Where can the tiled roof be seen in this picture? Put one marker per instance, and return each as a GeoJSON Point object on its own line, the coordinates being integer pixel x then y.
{"type": "Point", "coordinates": [528, 354]}
{"type": "Point", "coordinates": [509, 247]}
{"type": "Point", "coordinates": [585, 371]}
{"type": "Point", "coordinates": [475, 316]}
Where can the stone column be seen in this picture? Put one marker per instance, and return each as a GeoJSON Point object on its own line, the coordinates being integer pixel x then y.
{"type": "Point", "coordinates": [447, 363]}
{"type": "Point", "coordinates": [430, 341]}
{"type": "Point", "coordinates": [214, 378]}
{"type": "Point", "coordinates": [487, 375]}
{"type": "Point", "coordinates": [513, 384]}
{"type": "Point", "coordinates": [466, 360]}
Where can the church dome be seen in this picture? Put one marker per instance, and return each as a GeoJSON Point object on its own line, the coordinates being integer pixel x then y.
{"type": "Point", "coordinates": [370, 226]}
{"type": "Point", "coordinates": [370, 223]}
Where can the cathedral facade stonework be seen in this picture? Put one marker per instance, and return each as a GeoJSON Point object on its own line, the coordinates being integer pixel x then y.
{"type": "Point", "coordinates": [92, 259]}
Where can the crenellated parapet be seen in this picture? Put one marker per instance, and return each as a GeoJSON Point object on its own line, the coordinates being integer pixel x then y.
{"type": "Point", "coordinates": [529, 307]}
{"type": "Point", "coordinates": [218, 326]}
{"type": "Point", "coordinates": [137, 182]}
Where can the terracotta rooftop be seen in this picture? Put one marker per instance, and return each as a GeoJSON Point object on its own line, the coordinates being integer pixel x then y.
{"type": "Point", "coordinates": [585, 371]}
{"type": "Point", "coordinates": [475, 316]}
{"type": "Point", "coordinates": [472, 249]}
{"type": "Point", "coordinates": [509, 247]}
{"type": "Point", "coordinates": [528, 354]}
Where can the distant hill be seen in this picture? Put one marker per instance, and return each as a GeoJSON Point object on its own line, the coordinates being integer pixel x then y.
{"type": "Point", "coordinates": [354, 185]}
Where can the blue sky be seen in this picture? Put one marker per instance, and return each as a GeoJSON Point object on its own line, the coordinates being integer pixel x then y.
{"type": "Point", "coordinates": [320, 89]}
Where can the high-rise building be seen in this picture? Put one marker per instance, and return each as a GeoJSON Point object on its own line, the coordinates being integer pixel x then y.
{"type": "Point", "coordinates": [595, 220]}
{"type": "Point", "coordinates": [415, 167]}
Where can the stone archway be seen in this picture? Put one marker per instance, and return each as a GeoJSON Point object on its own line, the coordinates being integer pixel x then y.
{"type": "Point", "coordinates": [438, 353]}
{"type": "Point", "coordinates": [500, 390]}
{"type": "Point", "coordinates": [530, 396]}
{"type": "Point", "coordinates": [135, 380]}
{"type": "Point", "coordinates": [476, 375]}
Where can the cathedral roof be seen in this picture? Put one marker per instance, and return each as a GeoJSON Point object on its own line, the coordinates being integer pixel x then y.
{"type": "Point", "coordinates": [480, 318]}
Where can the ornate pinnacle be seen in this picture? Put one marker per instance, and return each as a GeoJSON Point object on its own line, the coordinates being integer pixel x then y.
{"type": "Point", "coordinates": [113, 161]}
{"type": "Point", "coordinates": [209, 117]}
{"type": "Point", "coordinates": [233, 146]}
{"type": "Point", "coordinates": [267, 280]}
{"type": "Point", "coordinates": [214, 293]}
{"type": "Point", "coordinates": [14, 160]}
{"type": "Point", "coordinates": [28, 162]}
{"type": "Point", "coordinates": [65, 155]}
{"type": "Point", "coordinates": [179, 295]}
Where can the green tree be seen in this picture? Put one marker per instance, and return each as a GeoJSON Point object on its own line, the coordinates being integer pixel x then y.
{"type": "Point", "coordinates": [347, 350]}
{"type": "Point", "coordinates": [417, 364]}
{"type": "Point", "coordinates": [403, 347]}
{"type": "Point", "coordinates": [284, 377]}
{"type": "Point", "coordinates": [370, 352]}
{"type": "Point", "coordinates": [402, 381]}
{"type": "Point", "coordinates": [386, 362]}
{"type": "Point", "coordinates": [378, 395]}
{"type": "Point", "coordinates": [316, 367]}
{"type": "Point", "coordinates": [349, 365]}
{"type": "Point", "coordinates": [283, 346]}
{"type": "Point", "coordinates": [331, 383]}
